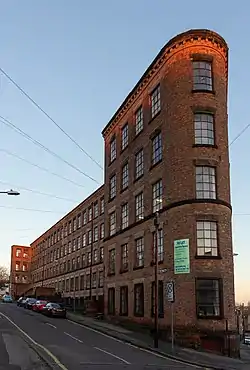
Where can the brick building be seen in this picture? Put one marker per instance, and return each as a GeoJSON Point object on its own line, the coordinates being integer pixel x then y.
{"type": "Point", "coordinates": [19, 269]}
{"type": "Point", "coordinates": [71, 251]}
{"type": "Point", "coordinates": [166, 151]}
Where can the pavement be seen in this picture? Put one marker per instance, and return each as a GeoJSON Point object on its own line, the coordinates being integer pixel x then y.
{"type": "Point", "coordinates": [30, 340]}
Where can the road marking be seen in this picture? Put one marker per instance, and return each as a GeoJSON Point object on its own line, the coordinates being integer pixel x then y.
{"type": "Point", "coordinates": [111, 354]}
{"type": "Point", "coordinates": [54, 358]}
{"type": "Point", "coordinates": [134, 346]}
{"type": "Point", "coordinates": [71, 336]}
{"type": "Point", "coordinates": [53, 326]}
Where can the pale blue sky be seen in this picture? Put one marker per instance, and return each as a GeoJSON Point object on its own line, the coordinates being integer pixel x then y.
{"type": "Point", "coordinates": [79, 59]}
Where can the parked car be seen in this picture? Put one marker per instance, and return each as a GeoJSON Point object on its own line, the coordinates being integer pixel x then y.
{"type": "Point", "coordinates": [54, 310]}
{"type": "Point", "coordinates": [7, 298]}
{"type": "Point", "coordinates": [19, 301]}
{"type": "Point", "coordinates": [247, 339]}
{"type": "Point", "coordinates": [22, 302]}
{"type": "Point", "coordinates": [29, 303]}
{"type": "Point", "coordinates": [38, 306]}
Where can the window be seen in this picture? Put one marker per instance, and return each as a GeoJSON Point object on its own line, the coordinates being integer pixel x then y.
{"type": "Point", "coordinates": [112, 261]}
{"type": "Point", "coordinates": [160, 246]}
{"type": "Point", "coordinates": [74, 224]}
{"type": "Point", "coordinates": [202, 76]}
{"type": "Point", "coordinates": [157, 196]}
{"type": "Point", "coordinates": [208, 298]}
{"type": "Point", "coordinates": [82, 281]}
{"type": "Point", "coordinates": [84, 240]}
{"type": "Point", "coordinates": [205, 182]}
{"type": "Point", "coordinates": [96, 234]}
{"type": "Point", "coordinates": [124, 301]}
{"type": "Point", "coordinates": [95, 256]}
{"type": "Point", "coordinates": [83, 260]}
{"type": "Point", "coordinates": [112, 187]}
{"type": "Point", "coordinates": [113, 150]}
{"type": "Point", "coordinates": [155, 101]}
{"type": "Point", "coordinates": [78, 264]}
{"type": "Point", "coordinates": [79, 221]}
{"type": "Point", "coordinates": [160, 299]}
{"type": "Point", "coordinates": [124, 257]}
{"type": "Point", "coordinates": [18, 253]}
{"type": "Point", "coordinates": [89, 259]}
{"type": "Point", "coordinates": [90, 213]}
{"type": "Point", "coordinates": [73, 264]}
{"type": "Point", "coordinates": [125, 136]}
{"type": "Point", "coordinates": [156, 149]}
{"type": "Point", "coordinates": [84, 218]}
{"type": "Point", "coordinates": [89, 236]}
{"type": "Point", "coordinates": [204, 128]}
{"type": "Point", "coordinates": [139, 121]}
{"type": "Point", "coordinates": [88, 281]}
{"type": "Point", "coordinates": [69, 247]}
{"type": "Point", "coordinates": [139, 164]}
{"type": "Point", "coordinates": [101, 279]}
{"type": "Point", "coordinates": [96, 209]}
{"type": "Point", "coordinates": [112, 223]}
{"type": "Point", "coordinates": [111, 301]}
{"type": "Point", "coordinates": [139, 207]}
{"type": "Point", "coordinates": [139, 300]}
{"type": "Point", "coordinates": [206, 234]}
{"type": "Point", "coordinates": [70, 227]}
{"type": "Point", "coordinates": [102, 205]}
{"type": "Point", "coordinates": [125, 176]}
{"type": "Point", "coordinates": [102, 231]}
{"type": "Point", "coordinates": [74, 245]}
{"type": "Point", "coordinates": [78, 242]}
{"type": "Point", "coordinates": [94, 279]}
{"type": "Point", "coordinates": [17, 266]}
{"type": "Point", "coordinates": [124, 214]}
{"type": "Point", "coordinates": [139, 250]}
{"type": "Point", "coordinates": [101, 254]}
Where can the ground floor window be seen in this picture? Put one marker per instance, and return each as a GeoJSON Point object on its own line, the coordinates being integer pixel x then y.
{"type": "Point", "coordinates": [139, 299]}
{"type": "Point", "coordinates": [111, 301]}
{"type": "Point", "coordinates": [124, 301]}
{"type": "Point", "coordinates": [160, 299]}
{"type": "Point", "coordinates": [209, 298]}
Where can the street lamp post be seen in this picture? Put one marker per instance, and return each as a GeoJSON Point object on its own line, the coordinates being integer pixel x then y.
{"type": "Point", "coordinates": [10, 192]}
{"type": "Point", "coordinates": [156, 224]}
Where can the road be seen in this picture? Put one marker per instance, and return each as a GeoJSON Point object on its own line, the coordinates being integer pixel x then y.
{"type": "Point", "coordinates": [72, 346]}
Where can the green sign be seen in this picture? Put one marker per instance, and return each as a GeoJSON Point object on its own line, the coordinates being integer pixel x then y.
{"type": "Point", "coordinates": [181, 256]}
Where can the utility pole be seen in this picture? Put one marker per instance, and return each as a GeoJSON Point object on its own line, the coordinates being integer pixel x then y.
{"type": "Point", "coordinates": [156, 329]}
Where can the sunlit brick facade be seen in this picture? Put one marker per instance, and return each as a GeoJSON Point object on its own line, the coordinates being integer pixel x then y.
{"type": "Point", "coordinates": [20, 269]}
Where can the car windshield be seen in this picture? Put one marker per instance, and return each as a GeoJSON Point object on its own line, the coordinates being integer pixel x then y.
{"type": "Point", "coordinates": [55, 305]}
{"type": "Point", "coordinates": [41, 302]}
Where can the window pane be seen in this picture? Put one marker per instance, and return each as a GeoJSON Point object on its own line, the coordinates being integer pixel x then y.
{"type": "Point", "coordinates": [139, 121]}
{"type": "Point", "coordinates": [206, 235]}
{"type": "Point", "coordinates": [204, 128]}
{"type": "Point", "coordinates": [124, 136]}
{"type": "Point", "coordinates": [156, 149]}
{"type": "Point", "coordinates": [139, 164]}
{"type": "Point", "coordinates": [155, 101]}
{"type": "Point", "coordinates": [208, 298]}
{"type": "Point", "coordinates": [202, 76]}
{"type": "Point", "coordinates": [157, 193]}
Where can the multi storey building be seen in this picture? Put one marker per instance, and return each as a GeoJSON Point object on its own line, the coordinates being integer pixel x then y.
{"type": "Point", "coordinates": [19, 269]}
{"type": "Point", "coordinates": [166, 152]}
{"type": "Point", "coordinates": [69, 256]}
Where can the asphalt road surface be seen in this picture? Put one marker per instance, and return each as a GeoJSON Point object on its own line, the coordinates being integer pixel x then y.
{"type": "Point", "coordinates": [70, 345]}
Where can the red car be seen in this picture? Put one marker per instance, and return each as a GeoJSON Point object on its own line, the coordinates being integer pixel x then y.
{"type": "Point", "coordinates": [38, 306]}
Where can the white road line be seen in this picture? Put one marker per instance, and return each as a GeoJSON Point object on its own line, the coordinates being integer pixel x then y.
{"type": "Point", "coordinates": [111, 354]}
{"type": "Point", "coordinates": [71, 336]}
{"type": "Point", "coordinates": [134, 346]}
{"type": "Point", "coordinates": [53, 326]}
{"type": "Point", "coordinates": [54, 358]}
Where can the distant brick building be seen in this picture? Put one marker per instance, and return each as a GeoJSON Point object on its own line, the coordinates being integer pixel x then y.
{"type": "Point", "coordinates": [19, 269]}
{"type": "Point", "coordinates": [166, 151]}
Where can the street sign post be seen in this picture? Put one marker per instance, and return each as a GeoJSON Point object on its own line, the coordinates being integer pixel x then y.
{"type": "Point", "coordinates": [170, 296]}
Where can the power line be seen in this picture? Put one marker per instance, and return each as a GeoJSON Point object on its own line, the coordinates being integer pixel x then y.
{"type": "Point", "coordinates": [49, 117]}
{"type": "Point", "coordinates": [38, 192]}
{"type": "Point", "coordinates": [239, 134]}
{"type": "Point", "coordinates": [31, 209]}
{"type": "Point", "coordinates": [41, 168]}
{"type": "Point", "coordinates": [11, 125]}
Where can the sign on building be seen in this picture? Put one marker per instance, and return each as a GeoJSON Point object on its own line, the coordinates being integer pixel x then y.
{"type": "Point", "coordinates": [181, 256]}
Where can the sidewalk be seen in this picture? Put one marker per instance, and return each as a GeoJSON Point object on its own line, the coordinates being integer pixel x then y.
{"type": "Point", "coordinates": [202, 359]}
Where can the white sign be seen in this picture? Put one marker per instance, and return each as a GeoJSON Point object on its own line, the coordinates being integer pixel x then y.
{"type": "Point", "coordinates": [169, 291]}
